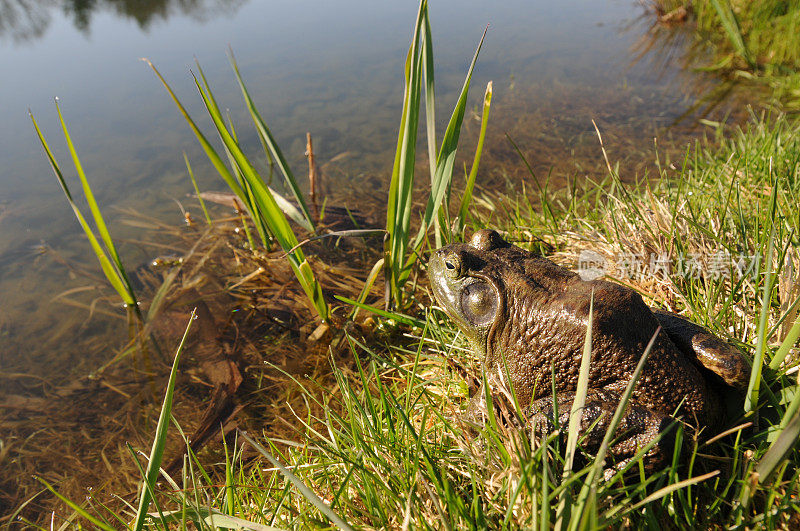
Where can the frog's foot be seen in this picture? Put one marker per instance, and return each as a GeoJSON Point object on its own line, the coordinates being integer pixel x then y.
{"type": "Point", "coordinates": [706, 349]}
{"type": "Point", "coordinates": [638, 427]}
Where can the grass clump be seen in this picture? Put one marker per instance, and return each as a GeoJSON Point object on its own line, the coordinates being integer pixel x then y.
{"type": "Point", "coordinates": [109, 259]}
{"type": "Point", "coordinates": [269, 211]}
{"type": "Point", "coordinates": [401, 252]}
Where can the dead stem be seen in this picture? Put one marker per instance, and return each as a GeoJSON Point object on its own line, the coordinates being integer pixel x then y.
{"type": "Point", "coordinates": [314, 177]}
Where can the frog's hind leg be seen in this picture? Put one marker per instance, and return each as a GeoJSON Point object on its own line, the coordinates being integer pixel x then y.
{"type": "Point", "coordinates": [706, 349]}
{"type": "Point", "coordinates": [638, 427]}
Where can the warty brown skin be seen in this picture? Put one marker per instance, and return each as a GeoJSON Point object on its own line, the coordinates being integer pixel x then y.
{"type": "Point", "coordinates": [530, 315]}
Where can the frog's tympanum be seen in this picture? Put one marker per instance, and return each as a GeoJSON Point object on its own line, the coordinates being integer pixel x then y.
{"type": "Point", "coordinates": [527, 318]}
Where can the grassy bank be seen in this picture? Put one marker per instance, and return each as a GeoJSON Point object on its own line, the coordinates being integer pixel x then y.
{"type": "Point", "coordinates": [389, 450]}
{"type": "Point", "coordinates": [382, 445]}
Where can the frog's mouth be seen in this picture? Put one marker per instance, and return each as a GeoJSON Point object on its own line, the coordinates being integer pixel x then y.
{"type": "Point", "coordinates": [445, 289]}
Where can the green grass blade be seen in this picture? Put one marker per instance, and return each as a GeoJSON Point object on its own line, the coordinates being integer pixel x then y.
{"type": "Point", "coordinates": [323, 507]}
{"type": "Point", "coordinates": [197, 189]}
{"type": "Point", "coordinates": [780, 448]}
{"type": "Point", "coordinates": [732, 29]}
{"type": "Point", "coordinates": [110, 271]}
{"type": "Point", "coordinates": [786, 346]}
{"type": "Point", "coordinates": [230, 489]}
{"type": "Point", "coordinates": [277, 154]}
{"type": "Point", "coordinates": [473, 174]}
{"type": "Point", "coordinates": [399, 317]}
{"type": "Point", "coordinates": [371, 278]}
{"type": "Point", "coordinates": [100, 223]}
{"type": "Point", "coordinates": [160, 439]}
{"type": "Point", "coordinates": [754, 385]}
{"type": "Point", "coordinates": [148, 486]}
{"type": "Point", "coordinates": [791, 410]}
{"type": "Point", "coordinates": [77, 508]}
{"type": "Point", "coordinates": [575, 415]}
{"type": "Point", "coordinates": [660, 493]}
{"type": "Point", "coordinates": [579, 402]}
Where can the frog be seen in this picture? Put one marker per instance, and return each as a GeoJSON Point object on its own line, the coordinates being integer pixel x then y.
{"type": "Point", "coordinates": [526, 318]}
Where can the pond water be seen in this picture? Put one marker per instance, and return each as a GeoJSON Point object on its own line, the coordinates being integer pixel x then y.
{"type": "Point", "coordinates": [331, 68]}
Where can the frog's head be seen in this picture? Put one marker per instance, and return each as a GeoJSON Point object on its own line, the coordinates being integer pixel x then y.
{"type": "Point", "coordinates": [468, 281]}
{"type": "Point", "coordinates": [496, 292]}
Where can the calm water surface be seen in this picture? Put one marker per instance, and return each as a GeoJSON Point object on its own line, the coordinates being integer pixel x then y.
{"type": "Point", "coordinates": [332, 68]}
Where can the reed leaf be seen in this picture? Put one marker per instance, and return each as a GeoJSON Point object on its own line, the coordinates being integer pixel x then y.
{"type": "Point", "coordinates": [209, 150]}
{"type": "Point", "coordinates": [266, 137]}
{"type": "Point", "coordinates": [430, 101]}
{"type": "Point", "coordinates": [197, 190]}
{"type": "Point", "coordinates": [399, 203]}
{"type": "Point", "coordinates": [110, 267]}
{"type": "Point", "coordinates": [447, 155]}
{"type": "Point", "coordinates": [265, 208]}
{"type": "Point", "coordinates": [100, 223]}
{"type": "Point", "coordinates": [419, 66]}
{"type": "Point", "coordinates": [466, 199]}
{"type": "Point", "coordinates": [248, 200]}
{"type": "Point", "coordinates": [430, 93]}
{"type": "Point", "coordinates": [160, 439]}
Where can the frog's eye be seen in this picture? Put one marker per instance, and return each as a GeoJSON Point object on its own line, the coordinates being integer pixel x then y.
{"type": "Point", "coordinates": [479, 303]}
{"type": "Point", "coordinates": [452, 265]}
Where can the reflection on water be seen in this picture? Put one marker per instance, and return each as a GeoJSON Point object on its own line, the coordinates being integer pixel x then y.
{"type": "Point", "coordinates": [673, 52]}
{"type": "Point", "coordinates": [25, 20]}
{"type": "Point", "coordinates": [22, 20]}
